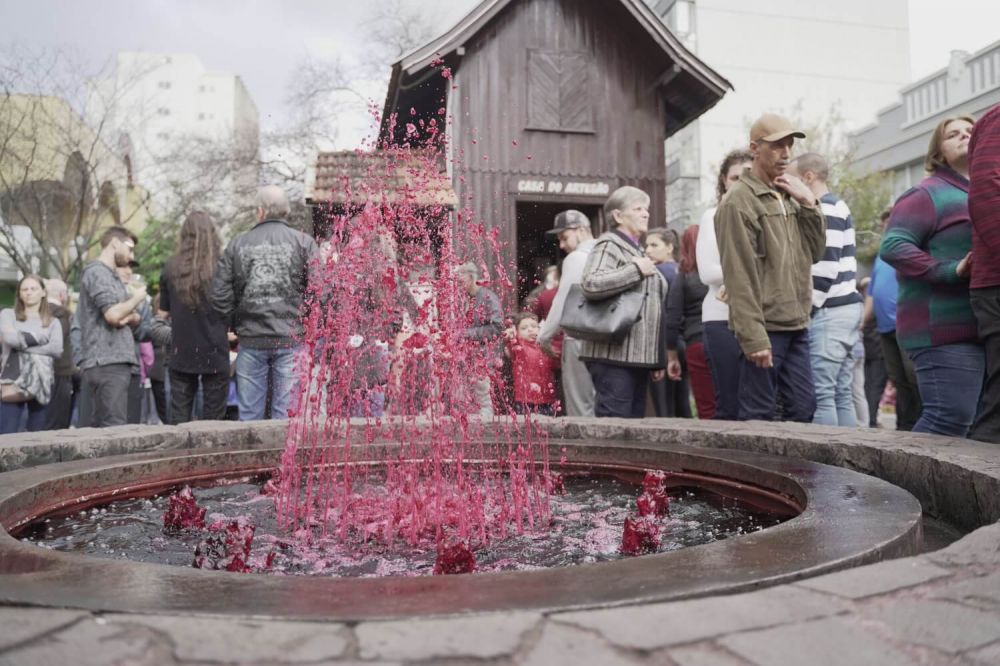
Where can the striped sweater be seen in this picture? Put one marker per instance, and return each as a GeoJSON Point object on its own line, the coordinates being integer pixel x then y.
{"type": "Point", "coordinates": [928, 235]}
{"type": "Point", "coordinates": [834, 277]}
{"type": "Point", "coordinates": [609, 271]}
{"type": "Point", "coordinates": [984, 199]}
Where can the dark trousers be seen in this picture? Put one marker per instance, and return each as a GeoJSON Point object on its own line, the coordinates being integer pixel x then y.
{"type": "Point", "coordinates": [875, 379]}
{"type": "Point", "coordinates": [107, 391]}
{"type": "Point", "coordinates": [670, 398]}
{"type": "Point", "coordinates": [184, 386]}
{"type": "Point", "coordinates": [900, 369]}
{"type": "Point", "coordinates": [11, 414]}
{"type": "Point", "coordinates": [789, 381]}
{"type": "Point", "coordinates": [986, 306]}
{"type": "Point", "coordinates": [724, 360]}
{"type": "Point", "coordinates": [159, 388]}
{"type": "Point", "coordinates": [619, 390]}
{"type": "Point", "coordinates": [59, 411]}
{"type": "Point", "coordinates": [134, 412]}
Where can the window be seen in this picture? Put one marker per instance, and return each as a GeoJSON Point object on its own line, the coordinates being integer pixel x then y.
{"type": "Point", "coordinates": [165, 85]}
{"type": "Point", "coordinates": [559, 91]}
{"type": "Point", "coordinates": [163, 111]}
{"type": "Point", "coordinates": [201, 116]}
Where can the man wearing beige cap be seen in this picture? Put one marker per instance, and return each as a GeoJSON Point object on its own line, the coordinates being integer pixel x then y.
{"type": "Point", "coordinates": [771, 231]}
{"type": "Point", "coordinates": [573, 230]}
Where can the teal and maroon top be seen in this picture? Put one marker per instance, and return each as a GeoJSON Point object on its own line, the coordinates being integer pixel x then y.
{"type": "Point", "coordinates": [928, 235]}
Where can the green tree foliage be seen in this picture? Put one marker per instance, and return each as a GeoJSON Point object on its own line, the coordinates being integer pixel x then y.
{"type": "Point", "coordinates": [157, 243]}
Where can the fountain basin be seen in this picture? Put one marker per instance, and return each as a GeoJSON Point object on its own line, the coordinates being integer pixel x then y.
{"type": "Point", "coordinates": [847, 519]}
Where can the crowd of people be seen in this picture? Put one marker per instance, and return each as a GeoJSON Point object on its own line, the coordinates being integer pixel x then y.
{"type": "Point", "coordinates": [756, 312]}
{"type": "Point", "coordinates": [764, 316]}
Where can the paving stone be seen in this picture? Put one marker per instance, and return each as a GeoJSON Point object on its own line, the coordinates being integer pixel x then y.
{"type": "Point", "coordinates": [981, 592]}
{"type": "Point", "coordinates": [987, 656]}
{"type": "Point", "coordinates": [876, 578]}
{"type": "Point", "coordinates": [981, 547]}
{"type": "Point", "coordinates": [938, 624]}
{"type": "Point", "coordinates": [23, 624]}
{"type": "Point", "coordinates": [658, 625]}
{"type": "Point", "coordinates": [827, 642]}
{"type": "Point", "coordinates": [245, 641]}
{"type": "Point", "coordinates": [482, 636]}
{"type": "Point", "coordinates": [92, 642]}
{"type": "Point", "coordinates": [560, 644]}
{"type": "Point", "coordinates": [707, 655]}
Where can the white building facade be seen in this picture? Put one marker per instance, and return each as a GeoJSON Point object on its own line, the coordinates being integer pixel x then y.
{"type": "Point", "coordinates": [164, 101]}
{"type": "Point", "coordinates": [799, 57]}
{"type": "Point", "coordinates": [897, 142]}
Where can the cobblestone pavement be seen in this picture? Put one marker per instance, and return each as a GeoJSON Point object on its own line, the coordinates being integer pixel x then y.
{"type": "Point", "coordinates": [938, 608]}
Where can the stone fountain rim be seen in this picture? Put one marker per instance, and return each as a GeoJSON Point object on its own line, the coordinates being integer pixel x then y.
{"type": "Point", "coordinates": [67, 580]}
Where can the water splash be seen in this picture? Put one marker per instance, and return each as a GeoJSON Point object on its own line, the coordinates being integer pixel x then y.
{"type": "Point", "coordinates": [389, 371]}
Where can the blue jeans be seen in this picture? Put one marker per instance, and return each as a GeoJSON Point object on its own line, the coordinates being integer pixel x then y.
{"type": "Point", "coordinates": [832, 336]}
{"type": "Point", "coordinates": [788, 380]}
{"type": "Point", "coordinates": [254, 367]}
{"type": "Point", "coordinates": [950, 378]}
{"type": "Point", "coordinates": [11, 414]}
{"type": "Point", "coordinates": [724, 361]}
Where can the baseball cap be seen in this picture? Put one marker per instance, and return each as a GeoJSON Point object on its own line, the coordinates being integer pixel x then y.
{"type": "Point", "coordinates": [772, 127]}
{"type": "Point", "coordinates": [568, 219]}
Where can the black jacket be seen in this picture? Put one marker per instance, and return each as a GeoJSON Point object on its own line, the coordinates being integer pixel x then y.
{"type": "Point", "coordinates": [684, 309]}
{"type": "Point", "coordinates": [260, 284]}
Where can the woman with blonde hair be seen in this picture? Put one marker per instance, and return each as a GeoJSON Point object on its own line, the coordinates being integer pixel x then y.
{"type": "Point", "coordinates": [928, 242]}
{"type": "Point", "coordinates": [32, 340]}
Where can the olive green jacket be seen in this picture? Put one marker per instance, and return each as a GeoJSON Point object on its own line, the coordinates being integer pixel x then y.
{"type": "Point", "coordinates": [768, 243]}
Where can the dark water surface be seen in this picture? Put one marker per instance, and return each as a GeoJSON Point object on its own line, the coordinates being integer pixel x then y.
{"type": "Point", "coordinates": [586, 527]}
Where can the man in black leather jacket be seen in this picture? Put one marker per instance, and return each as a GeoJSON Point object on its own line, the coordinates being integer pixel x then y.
{"type": "Point", "coordinates": [259, 287]}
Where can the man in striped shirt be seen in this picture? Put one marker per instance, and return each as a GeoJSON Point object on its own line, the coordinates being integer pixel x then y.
{"type": "Point", "coordinates": [837, 305]}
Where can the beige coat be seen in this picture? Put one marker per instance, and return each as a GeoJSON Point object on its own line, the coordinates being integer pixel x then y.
{"type": "Point", "coordinates": [609, 271]}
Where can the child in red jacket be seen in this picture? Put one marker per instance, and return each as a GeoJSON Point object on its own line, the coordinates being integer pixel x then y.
{"type": "Point", "coordinates": [534, 370]}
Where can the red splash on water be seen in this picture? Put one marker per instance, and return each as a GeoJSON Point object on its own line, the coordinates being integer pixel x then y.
{"type": "Point", "coordinates": [227, 548]}
{"type": "Point", "coordinates": [641, 536]}
{"type": "Point", "coordinates": [454, 558]}
{"type": "Point", "coordinates": [183, 512]}
{"type": "Point", "coordinates": [654, 500]}
{"type": "Point", "coordinates": [273, 485]}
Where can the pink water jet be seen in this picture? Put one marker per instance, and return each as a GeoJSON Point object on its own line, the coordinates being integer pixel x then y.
{"type": "Point", "coordinates": [455, 558]}
{"type": "Point", "coordinates": [641, 536]}
{"type": "Point", "coordinates": [391, 360]}
{"type": "Point", "coordinates": [183, 512]}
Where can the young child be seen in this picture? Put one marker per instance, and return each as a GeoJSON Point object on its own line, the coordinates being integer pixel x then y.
{"type": "Point", "coordinates": [534, 370]}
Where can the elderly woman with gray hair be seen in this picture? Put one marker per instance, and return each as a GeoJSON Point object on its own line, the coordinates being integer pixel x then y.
{"type": "Point", "coordinates": [621, 371]}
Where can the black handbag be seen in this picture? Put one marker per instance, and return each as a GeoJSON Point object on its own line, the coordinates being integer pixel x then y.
{"type": "Point", "coordinates": [12, 368]}
{"type": "Point", "coordinates": [608, 320]}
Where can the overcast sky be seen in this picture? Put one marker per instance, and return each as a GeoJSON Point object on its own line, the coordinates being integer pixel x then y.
{"type": "Point", "coordinates": [262, 40]}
